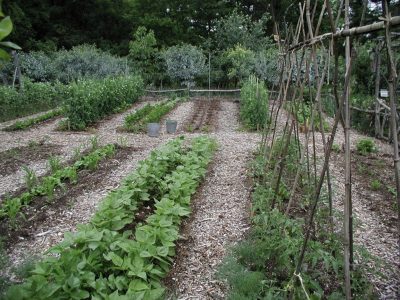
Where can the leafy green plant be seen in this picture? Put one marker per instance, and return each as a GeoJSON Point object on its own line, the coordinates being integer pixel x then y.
{"type": "Point", "coordinates": [6, 26]}
{"type": "Point", "coordinates": [94, 142]}
{"type": "Point", "coordinates": [137, 122]}
{"type": "Point", "coordinates": [34, 98]}
{"type": "Point", "coordinates": [253, 104]}
{"type": "Point", "coordinates": [102, 258]}
{"type": "Point", "coordinates": [89, 101]}
{"type": "Point", "coordinates": [11, 208]}
{"type": "Point", "coordinates": [366, 146]}
{"type": "Point", "coordinates": [336, 148]}
{"type": "Point", "coordinates": [302, 113]}
{"type": "Point", "coordinates": [54, 163]}
{"type": "Point", "coordinates": [184, 62]}
{"type": "Point", "coordinates": [30, 177]}
{"type": "Point", "coordinates": [375, 184]}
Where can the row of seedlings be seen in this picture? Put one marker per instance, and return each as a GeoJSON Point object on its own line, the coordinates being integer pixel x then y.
{"type": "Point", "coordinates": [137, 121]}
{"type": "Point", "coordinates": [11, 208]}
{"type": "Point", "coordinates": [114, 256]}
{"type": "Point", "coordinates": [29, 122]}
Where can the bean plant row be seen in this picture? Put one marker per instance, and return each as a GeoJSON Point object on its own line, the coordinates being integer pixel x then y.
{"type": "Point", "coordinates": [11, 208]}
{"type": "Point", "coordinates": [137, 121]}
{"type": "Point", "coordinates": [91, 100]}
{"type": "Point", "coordinates": [105, 259]}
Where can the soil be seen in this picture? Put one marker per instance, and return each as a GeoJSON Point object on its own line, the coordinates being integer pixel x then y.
{"type": "Point", "coordinates": [41, 209]}
{"type": "Point", "coordinates": [203, 116]}
{"type": "Point", "coordinates": [14, 159]}
{"type": "Point", "coordinates": [376, 185]}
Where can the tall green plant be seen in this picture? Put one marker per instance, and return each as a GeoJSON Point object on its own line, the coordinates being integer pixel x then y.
{"type": "Point", "coordinates": [89, 101]}
{"type": "Point", "coordinates": [254, 104]}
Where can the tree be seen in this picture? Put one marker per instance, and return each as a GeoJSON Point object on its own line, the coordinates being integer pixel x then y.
{"type": "Point", "coordinates": [184, 63]}
{"type": "Point", "coordinates": [238, 28]}
{"type": "Point", "coordinates": [143, 51]}
{"type": "Point", "coordinates": [241, 62]}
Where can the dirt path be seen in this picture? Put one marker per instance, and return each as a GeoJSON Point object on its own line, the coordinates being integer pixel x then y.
{"type": "Point", "coordinates": [220, 213]}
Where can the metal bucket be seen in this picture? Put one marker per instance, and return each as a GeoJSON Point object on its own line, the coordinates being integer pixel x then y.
{"type": "Point", "coordinates": [153, 129]}
{"type": "Point", "coordinates": [171, 126]}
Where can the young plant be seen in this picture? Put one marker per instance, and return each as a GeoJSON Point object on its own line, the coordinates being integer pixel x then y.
{"type": "Point", "coordinates": [30, 177]}
{"type": "Point", "coordinates": [375, 184]}
{"type": "Point", "coordinates": [336, 148]}
{"type": "Point", "coordinates": [54, 163]}
{"type": "Point", "coordinates": [366, 146]}
{"type": "Point", "coordinates": [94, 142]}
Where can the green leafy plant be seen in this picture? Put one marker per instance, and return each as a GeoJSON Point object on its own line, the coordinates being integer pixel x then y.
{"type": "Point", "coordinates": [30, 177]}
{"type": "Point", "coordinates": [366, 146]}
{"type": "Point", "coordinates": [184, 63]}
{"type": "Point", "coordinates": [137, 122]}
{"type": "Point", "coordinates": [336, 148]}
{"type": "Point", "coordinates": [6, 26]}
{"type": "Point", "coordinates": [102, 258]}
{"type": "Point", "coordinates": [11, 208]}
{"type": "Point", "coordinates": [89, 101]}
{"type": "Point", "coordinates": [253, 104]}
{"type": "Point", "coordinates": [375, 184]}
{"type": "Point", "coordinates": [94, 142]}
{"type": "Point", "coordinates": [54, 163]}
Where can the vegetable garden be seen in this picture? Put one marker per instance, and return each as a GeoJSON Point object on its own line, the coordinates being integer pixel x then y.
{"type": "Point", "coordinates": [264, 190]}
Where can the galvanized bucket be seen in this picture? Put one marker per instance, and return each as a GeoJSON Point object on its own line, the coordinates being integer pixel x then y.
{"type": "Point", "coordinates": [153, 129]}
{"type": "Point", "coordinates": [171, 126]}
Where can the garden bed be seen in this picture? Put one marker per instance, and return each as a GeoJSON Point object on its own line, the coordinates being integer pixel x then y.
{"type": "Point", "coordinates": [13, 159]}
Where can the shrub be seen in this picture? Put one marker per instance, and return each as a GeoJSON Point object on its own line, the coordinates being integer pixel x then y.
{"type": "Point", "coordinates": [35, 97]}
{"type": "Point", "coordinates": [184, 63]}
{"type": "Point", "coordinates": [81, 62]}
{"type": "Point", "coordinates": [38, 66]}
{"type": "Point", "coordinates": [87, 62]}
{"type": "Point", "coordinates": [89, 101]}
{"type": "Point", "coordinates": [254, 104]}
{"type": "Point", "coordinates": [365, 146]}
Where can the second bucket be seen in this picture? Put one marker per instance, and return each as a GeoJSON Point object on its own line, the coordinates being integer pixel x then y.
{"type": "Point", "coordinates": [171, 126]}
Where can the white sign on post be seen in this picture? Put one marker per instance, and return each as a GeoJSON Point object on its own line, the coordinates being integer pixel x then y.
{"type": "Point", "coordinates": [384, 93]}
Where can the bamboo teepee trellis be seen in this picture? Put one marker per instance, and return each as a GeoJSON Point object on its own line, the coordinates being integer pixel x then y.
{"type": "Point", "coordinates": [305, 40]}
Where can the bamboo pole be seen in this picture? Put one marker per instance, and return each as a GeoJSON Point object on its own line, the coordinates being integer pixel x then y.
{"type": "Point", "coordinates": [321, 179]}
{"type": "Point", "coordinates": [393, 111]}
{"type": "Point", "coordinates": [377, 85]}
{"type": "Point", "coordinates": [347, 202]}
{"type": "Point", "coordinates": [393, 21]}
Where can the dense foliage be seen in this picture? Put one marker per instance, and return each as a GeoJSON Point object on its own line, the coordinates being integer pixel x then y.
{"type": "Point", "coordinates": [81, 62]}
{"type": "Point", "coordinates": [106, 260]}
{"type": "Point", "coordinates": [254, 104]}
{"type": "Point", "coordinates": [35, 97]}
{"type": "Point", "coordinates": [90, 100]}
{"type": "Point", "coordinates": [184, 63]}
